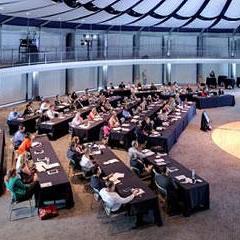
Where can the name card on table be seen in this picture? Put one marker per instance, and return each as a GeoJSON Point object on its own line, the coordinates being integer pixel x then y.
{"type": "Point", "coordinates": [47, 184]}
{"type": "Point", "coordinates": [111, 161]}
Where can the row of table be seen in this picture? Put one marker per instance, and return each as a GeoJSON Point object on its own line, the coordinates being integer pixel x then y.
{"type": "Point", "coordinates": [2, 171]}
{"type": "Point", "coordinates": [55, 187]}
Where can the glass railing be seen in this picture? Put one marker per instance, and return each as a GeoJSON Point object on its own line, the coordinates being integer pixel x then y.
{"type": "Point", "coordinates": [12, 57]}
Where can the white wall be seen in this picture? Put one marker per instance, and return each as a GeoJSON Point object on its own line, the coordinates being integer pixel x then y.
{"type": "Point", "coordinates": [80, 79]}
{"type": "Point", "coordinates": [219, 69]}
{"type": "Point", "coordinates": [51, 83]}
{"type": "Point", "coordinates": [153, 73]}
{"type": "Point", "coordinates": [117, 74]}
{"type": "Point", "coordinates": [183, 73]}
{"type": "Point", "coordinates": [150, 45]}
{"type": "Point", "coordinates": [12, 88]}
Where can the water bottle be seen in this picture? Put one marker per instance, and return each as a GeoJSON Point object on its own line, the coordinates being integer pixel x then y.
{"type": "Point", "coordinates": [193, 176]}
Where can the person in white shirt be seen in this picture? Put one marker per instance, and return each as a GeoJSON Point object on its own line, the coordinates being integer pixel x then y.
{"type": "Point", "coordinates": [51, 113]}
{"type": "Point", "coordinates": [44, 106]}
{"type": "Point", "coordinates": [86, 162]}
{"type": "Point", "coordinates": [112, 199]}
{"type": "Point", "coordinates": [77, 120]}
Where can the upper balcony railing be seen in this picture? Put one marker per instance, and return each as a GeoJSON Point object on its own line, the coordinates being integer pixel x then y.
{"type": "Point", "coordinates": [13, 57]}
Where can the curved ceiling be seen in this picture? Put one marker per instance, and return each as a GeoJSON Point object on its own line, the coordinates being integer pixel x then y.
{"type": "Point", "coordinates": [169, 14]}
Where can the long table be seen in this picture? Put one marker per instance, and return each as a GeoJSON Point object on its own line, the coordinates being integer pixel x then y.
{"type": "Point", "coordinates": [53, 187]}
{"type": "Point", "coordinates": [56, 127]}
{"type": "Point", "coordinates": [214, 101]}
{"type": "Point", "coordinates": [194, 196]}
{"type": "Point", "coordinates": [29, 121]}
{"type": "Point", "coordinates": [168, 136]}
{"type": "Point", "coordinates": [147, 202]}
{"type": "Point", "coordinates": [2, 172]}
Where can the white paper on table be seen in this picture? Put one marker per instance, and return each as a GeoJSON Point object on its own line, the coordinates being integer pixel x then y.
{"type": "Point", "coordinates": [178, 113]}
{"type": "Point", "coordinates": [20, 118]}
{"type": "Point", "coordinates": [161, 155]}
{"type": "Point", "coordinates": [145, 150]}
{"type": "Point", "coordinates": [134, 120]}
{"type": "Point", "coordinates": [158, 160]}
{"type": "Point", "coordinates": [140, 192]}
{"type": "Point", "coordinates": [159, 128]}
{"type": "Point", "coordinates": [125, 125]}
{"type": "Point", "coordinates": [52, 165]}
{"type": "Point", "coordinates": [116, 181]}
{"type": "Point", "coordinates": [98, 152]}
{"type": "Point", "coordinates": [148, 154]}
{"type": "Point", "coordinates": [61, 117]}
{"type": "Point", "coordinates": [117, 128]}
{"type": "Point", "coordinates": [84, 126]}
{"type": "Point", "coordinates": [136, 117]}
{"type": "Point", "coordinates": [111, 161]}
{"type": "Point", "coordinates": [39, 167]}
{"type": "Point", "coordinates": [46, 184]}
{"type": "Point", "coordinates": [161, 163]}
{"type": "Point", "coordinates": [180, 177]}
{"type": "Point", "coordinates": [125, 129]}
{"type": "Point", "coordinates": [118, 175]}
{"type": "Point", "coordinates": [34, 144]}
{"type": "Point", "coordinates": [101, 146]}
{"type": "Point", "coordinates": [172, 170]}
{"type": "Point", "coordinates": [49, 123]}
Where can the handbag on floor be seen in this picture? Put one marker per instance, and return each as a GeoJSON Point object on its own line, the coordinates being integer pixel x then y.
{"type": "Point", "coordinates": [48, 212]}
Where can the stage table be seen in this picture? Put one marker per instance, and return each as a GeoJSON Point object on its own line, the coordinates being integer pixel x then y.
{"type": "Point", "coordinates": [193, 196]}
{"type": "Point", "coordinates": [2, 171]}
{"type": "Point", "coordinates": [144, 204]}
{"type": "Point", "coordinates": [55, 187]}
{"type": "Point", "coordinates": [214, 101]}
{"type": "Point", "coordinates": [121, 92]}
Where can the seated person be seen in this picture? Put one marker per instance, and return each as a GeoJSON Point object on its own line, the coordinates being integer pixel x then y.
{"type": "Point", "coordinates": [93, 115]}
{"type": "Point", "coordinates": [177, 99]}
{"type": "Point", "coordinates": [136, 159]}
{"type": "Point", "coordinates": [45, 105]}
{"type": "Point", "coordinates": [74, 96]}
{"type": "Point", "coordinates": [220, 91]}
{"type": "Point", "coordinates": [143, 104]}
{"type": "Point", "coordinates": [121, 85]}
{"type": "Point", "coordinates": [111, 86]}
{"type": "Point", "coordinates": [204, 92]}
{"type": "Point", "coordinates": [164, 180]}
{"type": "Point", "coordinates": [13, 115]}
{"type": "Point", "coordinates": [113, 121]}
{"type": "Point", "coordinates": [19, 136]}
{"type": "Point", "coordinates": [86, 161]}
{"type": "Point", "coordinates": [153, 87]}
{"type": "Point", "coordinates": [140, 136]}
{"type": "Point", "coordinates": [28, 109]}
{"type": "Point", "coordinates": [171, 104]}
{"type": "Point", "coordinates": [189, 89]}
{"type": "Point", "coordinates": [51, 113]}
{"type": "Point", "coordinates": [97, 181]}
{"type": "Point", "coordinates": [212, 74]}
{"type": "Point", "coordinates": [125, 113]}
{"type": "Point", "coordinates": [77, 120]}
{"type": "Point", "coordinates": [57, 101]}
{"type": "Point", "coordinates": [106, 132]}
{"type": "Point", "coordinates": [149, 99]}
{"type": "Point", "coordinates": [18, 189]}
{"type": "Point", "coordinates": [26, 172]}
{"type": "Point", "coordinates": [139, 85]}
{"type": "Point", "coordinates": [147, 125]}
{"type": "Point", "coordinates": [114, 202]}
{"type": "Point", "coordinates": [75, 151]}
{"type": "Point", "coordinates": [26, 144]}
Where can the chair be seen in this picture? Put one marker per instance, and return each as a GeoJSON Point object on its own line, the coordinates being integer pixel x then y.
{"type": "Point", "coordinates": [14, 203]}
{"type": "Point", "coordinates": [137, 172]}
{"type": "Point", "coordinates": [74, 170]}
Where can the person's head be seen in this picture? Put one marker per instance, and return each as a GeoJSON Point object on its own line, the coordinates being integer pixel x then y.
{"type": "Point", "coordinates": [134, 144]}
{"type": "Point", "coordinates": [75, 140]}
{"type": "Point", "coordinates": [57, 97]}
{"type": "Point", "coordinates": [96, 171]}
{"type": "Point", "coordinates": [10, 174]}
{"type": "Point", "coordinates": [114, 113]}
{"type": "Point", "coordinates": [147, 119]}
{"type": "Point", "coordinates": [94, 111]}
{"type": "Point", "coordinates": [28, 135]}
{"type": "Point", "coordinates": [110, 186]}
{"type": "Point", "coordinates": [86, 150]}
{"type": "Point", "coordinates": [21, 128]}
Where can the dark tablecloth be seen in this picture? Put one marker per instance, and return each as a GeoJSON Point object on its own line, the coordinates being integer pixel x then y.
{"type": "Point", "coordinates": [215, 101]}
{"type": "Point", "coordinates": [2, 171]}
{"type": "Point", "coordinates": [170, 135]}
{"type": "Point", "coordinates": [211, 81]}
{"type": "Point", "coordinates": [194, 196]}
{"type": "Point", "coordinates": [28, 121]}
{"type": "Point", "coordinates": [146, 203]}
{"type": "Point", "coordinates": [57, 127]}
{"type": "Point", "coordinates": [61, 187]}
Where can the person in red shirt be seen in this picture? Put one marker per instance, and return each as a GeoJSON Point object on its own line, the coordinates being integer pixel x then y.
{"type": "Point", "coordinates": [26, 144]}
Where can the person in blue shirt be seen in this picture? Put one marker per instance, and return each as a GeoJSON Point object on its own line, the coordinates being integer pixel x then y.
{"type": "Point", "coordinates": [19, 136]}
{"type": "Point", "coordinates": [125, 113]}
{"type": "Point", "coordinates": [13, 115]}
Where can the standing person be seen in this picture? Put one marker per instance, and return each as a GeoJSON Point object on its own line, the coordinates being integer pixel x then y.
{"type": "Point", "coordinates": [144, 77]}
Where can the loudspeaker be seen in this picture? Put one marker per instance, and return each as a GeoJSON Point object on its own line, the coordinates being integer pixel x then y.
{"type": "Point", "coordinates": [205, 122]}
